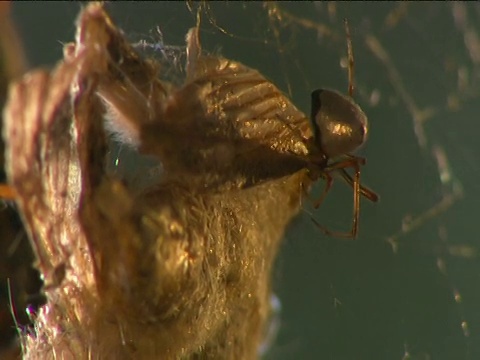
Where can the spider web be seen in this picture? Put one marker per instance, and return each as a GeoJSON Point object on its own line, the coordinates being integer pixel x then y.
{"type": "Point", "coordinates": [407, 287]}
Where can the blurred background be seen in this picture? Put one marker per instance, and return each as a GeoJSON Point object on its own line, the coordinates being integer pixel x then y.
{"type": "Point", "coordinates": [408, 286]}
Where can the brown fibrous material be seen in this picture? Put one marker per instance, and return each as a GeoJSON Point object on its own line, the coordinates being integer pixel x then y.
{"type": "Point", "coordinates": [181, 270]}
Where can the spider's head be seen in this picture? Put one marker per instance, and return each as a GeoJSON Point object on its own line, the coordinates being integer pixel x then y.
{"type": "Point", "coordinates": [340, 126]}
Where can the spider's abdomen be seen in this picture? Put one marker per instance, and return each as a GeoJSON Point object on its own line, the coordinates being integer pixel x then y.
{"type": "Point", "coordinates": [340, 126]}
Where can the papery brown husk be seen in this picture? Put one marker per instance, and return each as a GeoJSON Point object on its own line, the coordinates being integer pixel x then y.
{"type": "Point", "coordinates": [183, 269]}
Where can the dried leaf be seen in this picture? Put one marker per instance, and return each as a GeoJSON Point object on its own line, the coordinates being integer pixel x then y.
{"type": "Point", "coordinates": [182, 270]}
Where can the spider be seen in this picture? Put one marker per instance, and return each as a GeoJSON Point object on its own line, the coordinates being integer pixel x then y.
{"type": "Point", "coordinates": [339, 128]}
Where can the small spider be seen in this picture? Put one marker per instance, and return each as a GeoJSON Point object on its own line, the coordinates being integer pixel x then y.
{"type": "Point", "coordinates": [339, 128]}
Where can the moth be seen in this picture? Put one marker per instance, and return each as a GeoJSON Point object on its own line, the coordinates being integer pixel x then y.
{"type": "Point", "coordinates": [181, 270]}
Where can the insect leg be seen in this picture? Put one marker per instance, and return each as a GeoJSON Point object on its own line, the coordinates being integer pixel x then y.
{"type": "Point", "coordinates": [354, 162]}
{"type": "Point", "coordinates": [328, 186]}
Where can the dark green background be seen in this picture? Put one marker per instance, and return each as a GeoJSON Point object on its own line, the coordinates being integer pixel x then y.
{"type": "Point", "coordinates": [351, 299]}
